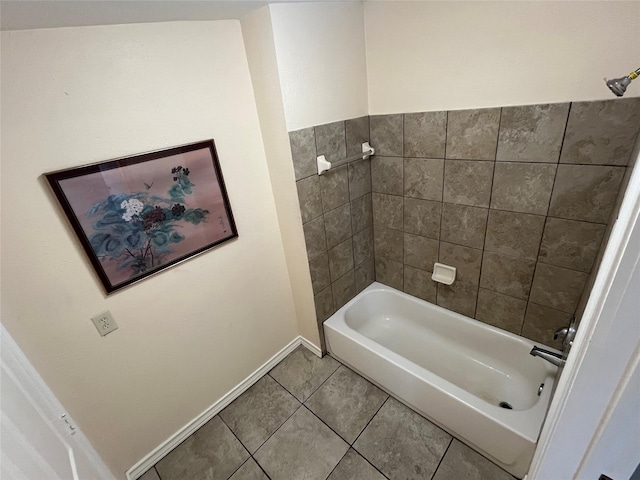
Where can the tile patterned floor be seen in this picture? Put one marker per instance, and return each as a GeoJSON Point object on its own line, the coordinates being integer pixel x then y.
{"type": "Point", "coordinates": [315, 419]}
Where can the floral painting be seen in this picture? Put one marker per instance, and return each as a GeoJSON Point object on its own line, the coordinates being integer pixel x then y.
{"type": "Point", "coordinates": [138, 215]}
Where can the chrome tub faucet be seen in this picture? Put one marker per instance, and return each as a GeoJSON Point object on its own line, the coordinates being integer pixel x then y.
{"type": "Point", "coordinates": [551, 357]}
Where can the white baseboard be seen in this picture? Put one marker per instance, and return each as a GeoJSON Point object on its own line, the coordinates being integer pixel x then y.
{"type": "Point", "coordinates": [310, 346]}
{"type": "Point", "coordinates": [174, 440]}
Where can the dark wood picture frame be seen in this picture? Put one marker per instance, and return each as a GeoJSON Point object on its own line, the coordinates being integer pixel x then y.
{"type": "Point", "coordinates": [139, 215]}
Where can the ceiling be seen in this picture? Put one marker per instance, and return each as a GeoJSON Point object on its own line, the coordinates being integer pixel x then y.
{"type": "Point", "coordinates": [29, 14]}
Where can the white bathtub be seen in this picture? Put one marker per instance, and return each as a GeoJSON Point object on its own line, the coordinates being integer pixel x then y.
{"type": "Point", "coordinates": [451, 368]}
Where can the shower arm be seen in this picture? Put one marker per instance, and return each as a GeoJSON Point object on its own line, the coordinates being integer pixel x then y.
{"type": "Point", "coordinates": [619, 85]}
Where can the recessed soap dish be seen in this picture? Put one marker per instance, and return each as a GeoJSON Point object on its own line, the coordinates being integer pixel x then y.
{"type": "Point", "coordinates": [443, 273]}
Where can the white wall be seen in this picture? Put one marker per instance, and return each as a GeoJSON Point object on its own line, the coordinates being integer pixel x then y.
{"type": "Point", "coordinates": [427, 56]}
{"type": "Point", "coordinates": [190, 334]}
{"type": "Point", "coordinates": [321, 61]}
{"type": "Point", "coordinates": [257, 32]}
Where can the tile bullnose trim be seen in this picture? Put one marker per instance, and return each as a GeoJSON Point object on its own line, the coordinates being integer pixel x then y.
{"type": "Point", "coordinates": [191, 427]}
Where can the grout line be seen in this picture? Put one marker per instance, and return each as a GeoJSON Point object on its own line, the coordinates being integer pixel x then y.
{"type": "Point", "coordinates": [275, 431]}
{"type": "Point", "coordinates": [243, 445]}
{"type": "Point", "coordinates": [234, 433]}
{"type": "Point", "coordinates": [315, 389]}
{"type": "Point", "coordinates": [442, 458]}
{"type": "Point", "coordinates": [446, 133]}
{"type": "Point", "coordinates": [402, 129]}
{"type": "Point", "coordinates": [486, 230]}
{"type": "Point", "coordinates": [555, 176]}
{"type": "Point", "coordinates": [564, 133]}
{"type": "Point", "coordinates": [374, 415]}
{"type": "Point", "coordinates": [374, 467]}
{"type": "Point", "coordinates": [444, 166]}
{"type": "Point", "coordinates": [323, 382]}
{"type": "Point", "coordinates": [546, 220]}
{"type": "Point", "coordinates": [242, 464]}
{"type": "Point", "coordinates": [336, 465]}
{"type": "Point", "coordinates": [365, 427]}
{"type": "Point", "coordinates": [156, 470]}
{"type": "Point", "coordinates": [403, 139]}
{"type": "Point", "coordinates": [327, 425]}
{"type": "Point", "coordinates": [261, 468]}
{"type": "Point", "coordinates": [495, 156]}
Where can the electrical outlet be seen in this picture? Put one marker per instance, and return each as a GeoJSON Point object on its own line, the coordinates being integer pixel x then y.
{"type": "Point", "coordinates": [104, 322]}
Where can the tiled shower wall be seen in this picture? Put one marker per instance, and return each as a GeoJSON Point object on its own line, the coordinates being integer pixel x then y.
{"type": "Point", "coordinates": [516, 198]}
{"type": "Point", "coordinates": [336, 212]}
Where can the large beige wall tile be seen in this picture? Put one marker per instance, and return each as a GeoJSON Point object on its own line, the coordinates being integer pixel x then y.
{"type": "Point", "coordinates": [388, 243]}
{"type": "Point", "coordinates": [418, 283]}
{"type": "Point", "coordinates": [420, 252]}
{"type": "Point", "coordinates": [532, 133]}
{"type": "Point", "coordinates": [303, 151]}
{"type": "Point", "coordinates": [522, 187]}
{"type": "Point", "coordinates": [509, 275]}
{"type": "Point", "coordinates": [468, 182]}
{"type": "Point", "coordinates": [387, 175]}
{"type": "Point", "coordinates": [601, 133]}
{"type": "Point", "coordinates": [425, 134]}
{"type": "Point", "coordinates": [466, 260]}
{"type": "Point", "coordinates": [422, 217]}
{"type": "Point", "coordinates": [330, 141]}
{"type": "Point", "coordinates": [423, 178]}
{"type": "Point", "coordinates": [389, 272]}
{"type": "Point", "coordinates": [557, 287]}
{"type": "Point", "coordinates": [386, 134]}
{"type": "Point", "coordinates": [541, 322]}
{"type": "Point", "coordinates": [464, 225]}
{"type": "Point", "coordinates": [473, 134]}
{"type": "Point", "coordinates": [514, 234]}
{"type": "Point", "coordinates": [500, 310]}
{"type": "Point", "coordinates": [459, 297]}
{"type": "Point", "coordinates": [571, 244]}
{"type": "Point", "coordinates": [585, 192]}
{"type": "Point", "coordinates": [387, 210]}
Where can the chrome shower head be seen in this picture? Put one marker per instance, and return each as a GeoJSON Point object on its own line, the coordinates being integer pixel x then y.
{"type": "Point", "coordinates": [619, 85]}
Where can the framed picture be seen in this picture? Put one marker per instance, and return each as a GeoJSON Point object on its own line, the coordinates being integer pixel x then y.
{"type": "Point", "coordinates": [138, 215]}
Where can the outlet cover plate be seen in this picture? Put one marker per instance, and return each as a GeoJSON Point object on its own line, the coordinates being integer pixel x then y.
{"type": "Point", "coordinates": [104, 323]}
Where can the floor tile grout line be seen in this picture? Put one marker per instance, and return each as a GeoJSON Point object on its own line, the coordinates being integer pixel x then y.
{"type": "Point", "coordinates": [261, 467]}
{"type": "Point", "coordinates": [327, 425]}
{"type": "Point", "coordinates": [442, 458]}
{"type": "Point", "coordinates": [336, 465]}
{"type": "Point", "coordinates": [231, 430]}
{"type": "Point", "coordinates": [367, 460]}
{"type": "Point", "coordinates": [325, 381]}
{"type": "Point", "coordinates": [372, 417]}
{"type": "Point", "coordinates": [365, 427]}
{"type": "Point", "coordinates": [289, 392]}
{"type": "Point", "coordinates": [251, 457]}
{"type": "Point", "coordinates": [350, 445]}
{"type": "Point", "coordinates": [275, 431]}
{"type": "Point", "coordinates": [241, 465]}
{"type": "Point", "coordinates": [279, 427]}
{"type": "Point", "coordinates": [314, 390]}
